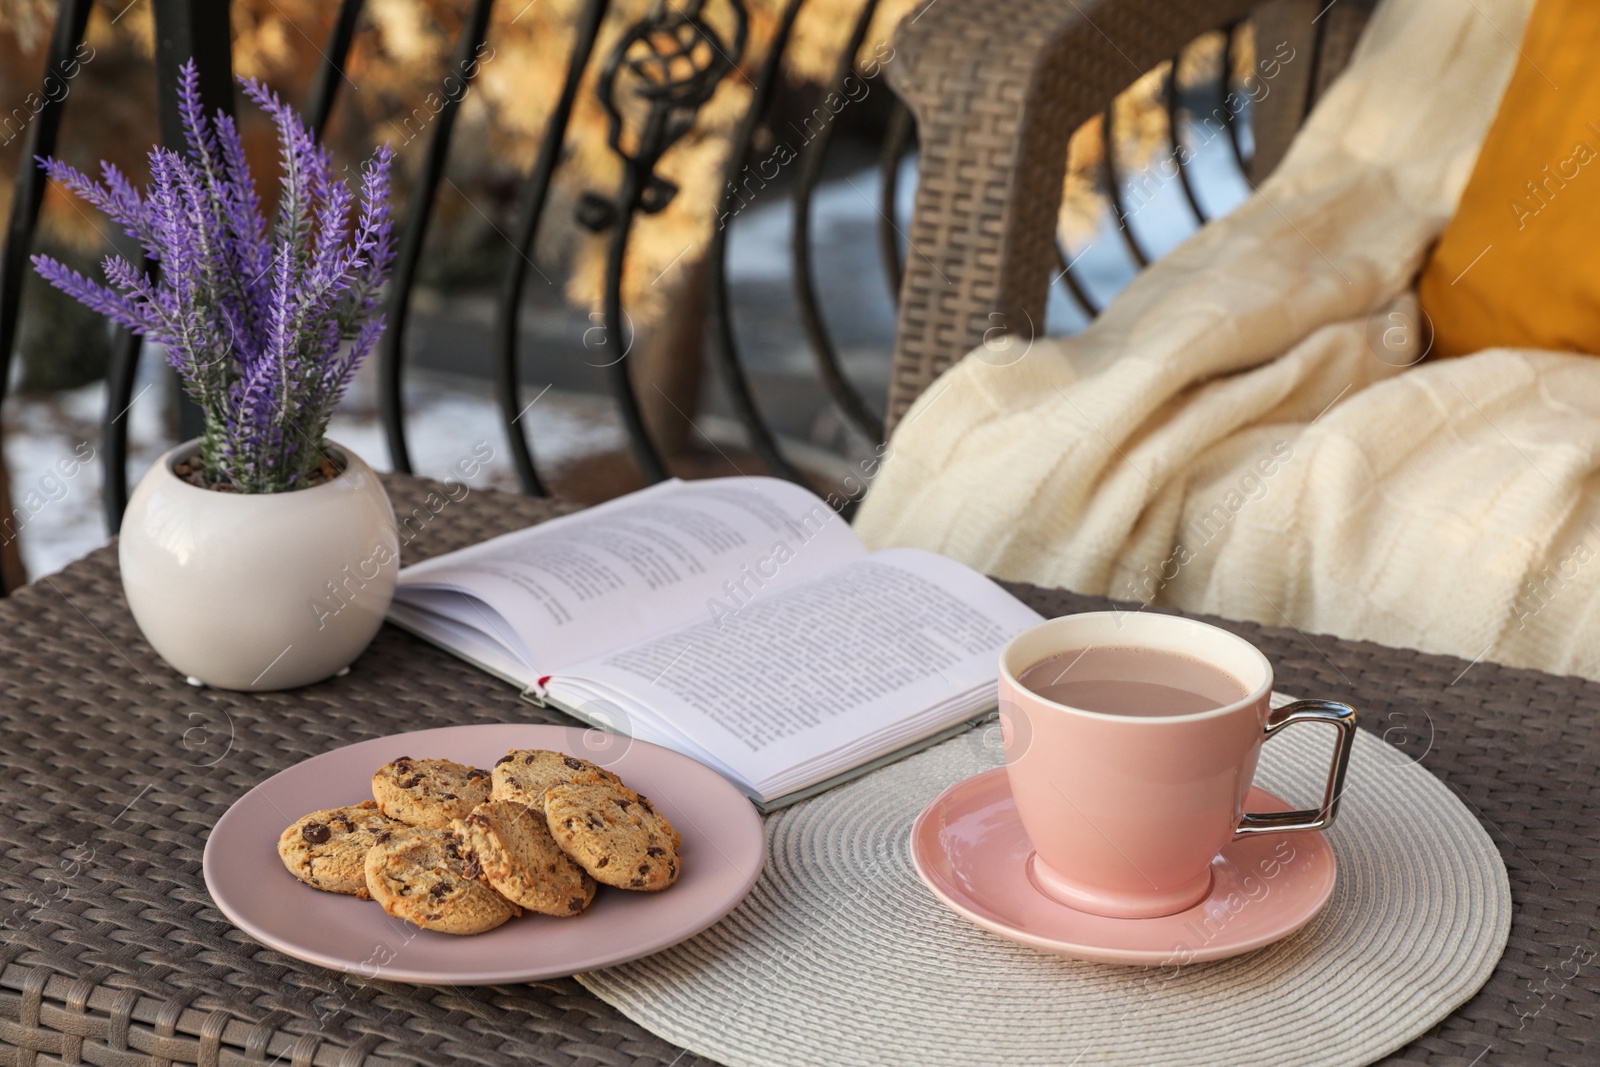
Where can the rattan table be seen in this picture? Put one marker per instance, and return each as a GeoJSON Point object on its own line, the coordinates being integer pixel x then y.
{"type": "Point", "coordinates": [115, 770]}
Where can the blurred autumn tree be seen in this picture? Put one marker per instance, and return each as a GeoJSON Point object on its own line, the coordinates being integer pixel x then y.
{"type": "Point", "coordinates": [395, 76]}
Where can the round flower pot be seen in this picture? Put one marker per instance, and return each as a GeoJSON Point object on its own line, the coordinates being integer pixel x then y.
{"type": "Point", "coordinates": [259, 591]}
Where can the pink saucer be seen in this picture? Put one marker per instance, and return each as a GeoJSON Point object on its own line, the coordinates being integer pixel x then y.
{"type": "Point", "coordinates": [970, 849]}
{"type": "Point", "coordinates": [724, 847]}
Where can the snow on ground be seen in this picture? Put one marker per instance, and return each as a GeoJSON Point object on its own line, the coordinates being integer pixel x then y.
{"type": "Point", "coordinates": [59, 517]}
{"type": "Point", "coordinates": [57, 514]}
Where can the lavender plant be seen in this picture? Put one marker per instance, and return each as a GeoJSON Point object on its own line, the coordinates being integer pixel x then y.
{"type": "Point", "coordinates": [265, 326]}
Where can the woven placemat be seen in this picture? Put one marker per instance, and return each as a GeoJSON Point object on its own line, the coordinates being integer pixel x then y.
{"type": "Point", "coordinates": [841, 956]}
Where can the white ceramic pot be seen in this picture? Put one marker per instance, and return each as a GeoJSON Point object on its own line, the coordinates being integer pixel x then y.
{"type": "Point", "coordinates": [259, 591]}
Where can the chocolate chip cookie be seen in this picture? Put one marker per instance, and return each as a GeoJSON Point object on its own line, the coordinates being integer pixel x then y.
{"type": "Point", "coordinates": [423, 877]}
{"type": "Point", "coordinates": [523, 775]}
{"type": "Point", "coordinates": [429, 792]}
{"type": "Point", "coordinates": [328, 849]}
{"type": "Point", "coordinates": [519, 859]}
{"type": "Point", "coordinates": [614, 834]}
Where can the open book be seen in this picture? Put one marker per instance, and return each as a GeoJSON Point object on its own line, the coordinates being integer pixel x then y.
{"type": "Point", "coordinates": [736, 620]}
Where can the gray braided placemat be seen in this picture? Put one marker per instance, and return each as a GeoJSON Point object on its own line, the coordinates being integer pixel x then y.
{"type": "Point", "coordinates": [113, 771]}
{"type": "Point", "coordinates": [841, 928]}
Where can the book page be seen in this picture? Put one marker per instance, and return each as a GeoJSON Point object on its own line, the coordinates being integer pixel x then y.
{"type": "Point", "coordinates": [467, 642]}
{"type": "Point", "coordinates": [615, 574]}
{"type": "Point", "coordinates": [863, 656]}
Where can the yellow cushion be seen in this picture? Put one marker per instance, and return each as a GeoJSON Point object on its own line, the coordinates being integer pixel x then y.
{"type": "Point", "coordinates": [1519, 264]}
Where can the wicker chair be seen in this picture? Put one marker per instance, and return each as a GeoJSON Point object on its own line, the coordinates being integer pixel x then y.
{"type": "Point", "coordinates": [995, 87]}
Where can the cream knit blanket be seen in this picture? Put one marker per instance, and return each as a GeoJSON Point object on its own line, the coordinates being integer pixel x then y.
{"type": "Point", "coordinates": [1240, 432]}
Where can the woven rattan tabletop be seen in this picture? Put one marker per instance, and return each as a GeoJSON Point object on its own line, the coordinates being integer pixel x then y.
{"type": "Point", "coordinates": [113, 772]}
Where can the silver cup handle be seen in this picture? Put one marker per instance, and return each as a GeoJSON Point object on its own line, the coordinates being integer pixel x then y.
{"type": "Point", "coordinates": [1342, 716]}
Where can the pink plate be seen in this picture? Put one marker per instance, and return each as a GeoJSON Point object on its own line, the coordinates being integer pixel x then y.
{"type": "Point", "coordinates": [970, 849]}
{"type": "Point", "coordinates": [724, 847]}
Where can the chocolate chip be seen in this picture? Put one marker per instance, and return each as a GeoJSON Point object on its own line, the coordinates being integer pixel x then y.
{"type": "Point", "coordinates": [636, 883]}
{"type": "Point", "coordinates": [624, 804]}
{"type": "Point", "coordinates": [568, 824]}
{"type": "Point", "coordinates": [472, 870]}
{"type": "Point", "coordinates": [645, 801]}
{"type": "Point", "coordinates": [655, 852]}
{"type": "Point", "coordinates": [529, 759]}
{"type": "Point", "coordinates": [382, 837]}
{"type": "Point", "coordinates": [411, 783]}
{"type": "Point", "coordinates": [644, 868]}
{"type": "Point", "coordinates": [477, 820]}
{"type": "Point", "coordinates": [574, 763]}
{"type": "Point", "coordinates": [596, 822]}
{"type": "Point", "coordinates": [507, 758]}
{"type": "Point", "coordinates": [315, 833]}
{"type": "Point", "coordinates": [575, 904]}
{"type": "Point", "coordinates": [447, 796]}
{"type": "Point", "coordinates": [439, 889]}
{"type": "Point", "coordinates": [474, 774]}
{"type": "Point", "coordinates": [601, 862]}
{"type": "Point", "coordinates": [433, 917]}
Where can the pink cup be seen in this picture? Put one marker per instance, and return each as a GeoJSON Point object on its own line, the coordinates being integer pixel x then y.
{"type": "Point", "coordinates": [1126, 813]}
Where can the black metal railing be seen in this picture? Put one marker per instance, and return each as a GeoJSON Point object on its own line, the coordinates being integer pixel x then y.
{"type": "Point", "coordinates": [414, 229]}
{"type": "Point", "coordinates": [27, 195]}
{"type": "Point", "coordinates": [536, 191]}
{"type": "Point", "coordinates": [663, 104]}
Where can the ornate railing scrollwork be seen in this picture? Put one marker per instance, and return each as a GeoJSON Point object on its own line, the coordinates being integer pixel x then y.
{"type": "Point", "coordinates": [671, 61]}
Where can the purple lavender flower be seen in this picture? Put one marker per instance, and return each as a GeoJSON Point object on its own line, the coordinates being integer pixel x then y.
{"type": "Point", "coordinates": [264, 324]}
